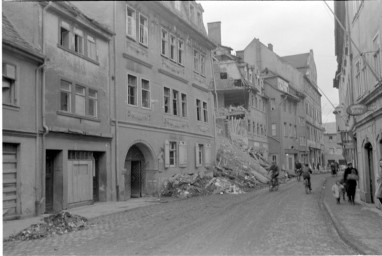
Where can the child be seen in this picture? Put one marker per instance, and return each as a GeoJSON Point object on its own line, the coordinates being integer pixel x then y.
{"type": "Point", "coordinates": [343, 189]}
{"type": "Point", "coordinates": [336, 189]}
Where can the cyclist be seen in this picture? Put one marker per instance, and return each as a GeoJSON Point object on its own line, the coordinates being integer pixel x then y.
{"type": "Point", "coordinates": [306, 171]}
{"type": "Point", "coordinates": [274, 169]}
{"type": "Point", "coordinates": [298, 169]}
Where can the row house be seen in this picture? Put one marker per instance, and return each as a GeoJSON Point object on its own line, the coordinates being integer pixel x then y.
{"type": "Point", "coordinates": [162, 110]}
{"type": "Point", "coordinates": [358, 33]}
{"type": "Point", "coordinates": [284, 85]}
{"type": "Point", "coordinates": [312, 104]}
{"type": "Point", "coordinates": [73, 119]}
{"type": "Point", "coordinates": [239, 94]}
{"type": "Point", "coordinates": [22, 64]}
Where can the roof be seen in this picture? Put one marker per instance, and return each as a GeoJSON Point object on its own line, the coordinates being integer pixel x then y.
{"type": "Point", "coordinates": [330, 127]}
{"type": "Point", "coordinates": [298, 60]}
{"type": "Point", "coordinates": [12, 37]}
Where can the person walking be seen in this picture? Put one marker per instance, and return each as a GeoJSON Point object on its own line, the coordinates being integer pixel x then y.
{"type": "Point", "coordinates": [352, 179]}
{"type": "Point", "coordinates": [347, 171]}
{"type": "Point", "coordinates": [336, 189]}
{"type": "Point", "coordinates": [306, 171]}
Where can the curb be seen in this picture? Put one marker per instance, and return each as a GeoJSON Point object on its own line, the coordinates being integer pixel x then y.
{"type": "Point", "coordinates": [338, 226]}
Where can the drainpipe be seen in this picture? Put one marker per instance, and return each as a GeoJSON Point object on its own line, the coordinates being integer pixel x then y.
{"type": "Point", "coordinates": [216, 98]}
{"type": "Point", "coordinates": [37, 149]}
{"type": "Point", "coordinates": [115, 104]}
{"type": "Point", "coordinates": [45, 127]}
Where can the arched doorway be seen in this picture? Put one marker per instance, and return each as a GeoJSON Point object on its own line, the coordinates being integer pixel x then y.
{"type": "Point", "coordinates": [135, 165]}
{"type": "Point", "coordinates": [369, 174]}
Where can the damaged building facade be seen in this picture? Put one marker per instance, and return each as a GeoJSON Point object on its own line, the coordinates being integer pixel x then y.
{"type": "Point", "coordinates": [241, 105]}
{"type": "Point", "coordinates": [294, 131]}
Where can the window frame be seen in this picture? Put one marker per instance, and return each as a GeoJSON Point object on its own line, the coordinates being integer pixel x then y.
{"type": "Point", "coordinates": [184, 104]}
{"type": "Point", "coordinates": [173, 47]}
{"type": "Point", "coordinates": [180, 52]}
{"type": "Point", "coordinates": [12, 79]}
{"type": "Point", "coordinates": [175, 102]}
{"type": "Point", "coordinates": [133, 26]}
{"type": "Point", "coordinates": [173, 150]}
{"type": "Point", "coordinates": [164, 42]}
{"type": "Point", "coordinates": [79, 33]}
{"type": "Point", "coordinates": [92, 98]}
{"type": "Point", "coordinates": [165, 96]}
{"type": "Point", "coordinates": [135, 91]}
{"type": "Point", "coordinates": [205, 111]}
{"type": "Point", "coordinates": [148, 93]}
{"type": "Point", "coordinates": [143, 30]}
{"type": "Point", "coordinates": [198, 110]}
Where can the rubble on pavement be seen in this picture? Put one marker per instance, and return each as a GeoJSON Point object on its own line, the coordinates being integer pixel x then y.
{"type": "Point", "coordinates": [55, 224]}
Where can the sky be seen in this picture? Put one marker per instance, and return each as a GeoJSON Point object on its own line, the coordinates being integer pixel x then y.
{"type": "Point", "coordinates": [293, 27]}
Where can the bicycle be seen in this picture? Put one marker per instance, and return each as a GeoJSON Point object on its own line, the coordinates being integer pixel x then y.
{"type": "Point", "coordinates": [298, 174]}
{"type": "Point", "coordinates": [273, 184]}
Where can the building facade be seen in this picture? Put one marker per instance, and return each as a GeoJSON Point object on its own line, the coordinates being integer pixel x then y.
{"type": "Point", "coordinates": [287, 121]}
{"type": "Point", "coordinates": [333, 149]}
{"type": "Point", "coordinates": [358, 33]}
{"type": "Point", "coordinates": [162, 118]}
{"type": "Point", "coordinates": [75, 113]}
{"type": "Point", "coordinates": [239, 96]}
{"type": "Point", "coordinates": [21, 93]}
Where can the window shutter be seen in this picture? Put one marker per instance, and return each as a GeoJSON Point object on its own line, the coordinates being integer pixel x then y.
{"type": "Point", "coordinates": [207, 155]}
{"type": "Point", "coordinates": [167, 154]}
{"type": "Point", "coordinates": [182, 153]}
{"type": "Point", "coordinates": [197, 159]}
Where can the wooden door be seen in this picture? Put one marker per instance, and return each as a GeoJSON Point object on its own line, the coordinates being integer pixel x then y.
{"type": "Point", "coordinates": [49, 181]}
{"type": "Point", "coordinates": [136, 179]}
{"type": "Point", "coordinates": [80, 181]}
{"type": "Point", "coordinates": [10, 191]}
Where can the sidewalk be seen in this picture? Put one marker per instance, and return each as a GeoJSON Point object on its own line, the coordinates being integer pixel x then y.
{"type": "Point", "coordinates": [360, 225]}
{"type": "Point", "coordinates": [98, 209]}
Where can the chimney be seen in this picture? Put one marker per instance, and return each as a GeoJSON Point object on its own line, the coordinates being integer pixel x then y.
{"type": "Point", "coordinates": [214, 32]}
{"type": "Point", "coordinates": [270, 47]}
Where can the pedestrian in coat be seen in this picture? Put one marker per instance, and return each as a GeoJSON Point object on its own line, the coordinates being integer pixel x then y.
{"type": "Point", "coordinates": [352, 185]}
{"type": "Point", "coordinates": [348, 170]}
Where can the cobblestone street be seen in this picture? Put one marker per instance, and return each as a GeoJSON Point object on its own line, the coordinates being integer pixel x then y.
{"type": "Point", "coordinates": [283, 222]}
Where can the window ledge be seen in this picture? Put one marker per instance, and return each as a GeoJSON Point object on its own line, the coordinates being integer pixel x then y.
{"type": "Point", "coordinates": [11, 106]}
{"type": "Point", "coordinates": [62, 113]}
{"type": "Point", "coordinates": [77, 54]}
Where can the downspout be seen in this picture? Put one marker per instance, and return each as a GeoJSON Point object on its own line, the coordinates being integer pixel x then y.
{"type": "Point", "coordinates": [45, 127]}
{"type": "Point", "coordinates": [216, 99]}
{"type": "Point", "coordinates": [37, 147]}
{"type": "Point", "coordinates": [115, 104]}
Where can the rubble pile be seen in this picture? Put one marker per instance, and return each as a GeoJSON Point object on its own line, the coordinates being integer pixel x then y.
{"type": "Point", "coordinates": [185, 185]}
{"type": "Point", "coordinates": [60, 223]}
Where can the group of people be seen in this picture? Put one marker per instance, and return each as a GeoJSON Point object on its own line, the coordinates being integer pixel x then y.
{"type": "Point", "coordinates": [347, 185]}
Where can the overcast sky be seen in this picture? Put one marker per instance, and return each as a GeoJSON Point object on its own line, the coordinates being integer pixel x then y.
{"type": "Point", "coordinates": [293, 27]}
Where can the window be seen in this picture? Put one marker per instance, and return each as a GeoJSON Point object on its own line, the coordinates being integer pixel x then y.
{"type": "Point", "coordinates": [205, 112]}
{"type": "Point", "coordinates": [196, 60]}
{"type": "Point", "coordinates": [91, 48]}
{"type": "Point", "coordinates": [146, 99]}
{"type": "Point", "coordinates": [79, 100]}
{"type": "Point", "coordinates": [143, 30]}
{"type": "Point", "coordinates": [260, 104]}
{"type": "Point", "coordinates": [130, 23]}
{"type": "Point", "coordinates": [93, 102]}
{"type": "Point", "coordinates": [65, 34]}
{"type": "Point", "coordinates": [175, 102]}
{"type": "Point", "coordinates": [180, 51]}
{"type": "Point", "coordinates": [198, 110]}
{"type": "Point", "coordinates": [166, 100]}
{"type": "Point", "coordinates": [199, 155]}
{"type": "Point", "coordinates": [273, 129]}
{"type": "Point", "coordinates": [255, 102]}
{"type": "Point", "coordinates": [223, 75]}
{"type": "Point", "coordinates": [184, 105]}
{"type": "Point", "coordinates": [9, 84]}
{"type": "Point", "coordinates": [290, 130]}
{"type": "Point", "coordinates": [306, 108]}
{"type": "Point", "coordinates": [172, 153]}
{"type": "Point", "coordinates": [132, 90]}
{"type": "Point", "coordinates": [258, 129]}
{"type": "Point", "coordinates": [261, 130]}
{"type": "Point", "coordinates": [172, 48]}
{"type": "Point", "coordinates": [253, 128]}
{"type": "Point", "coordinates": [164, 42]}
{"type": "Point", "coordinates": [78, 41]}
{"type": "Point", "coordinates": [202, 64]}
{"type": "Point", "coordinates": [273, 104]}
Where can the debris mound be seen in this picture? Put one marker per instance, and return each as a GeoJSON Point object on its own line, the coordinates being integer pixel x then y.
{"type": "Point", "coordinates": [55, 224]}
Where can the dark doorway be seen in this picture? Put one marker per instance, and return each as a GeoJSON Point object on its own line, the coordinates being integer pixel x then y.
{"type": "Point", "coordinates": [96, 176]}
{"type": "Point", "coordinates": [369, 173]}
{"type": "Point", "coordinates": [49, 179]}
{"type": "Point", "coordinates": [136, 179]}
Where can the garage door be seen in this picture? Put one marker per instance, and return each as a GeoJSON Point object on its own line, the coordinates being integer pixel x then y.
{"type": "Point", "coordinates": [10, 206]}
